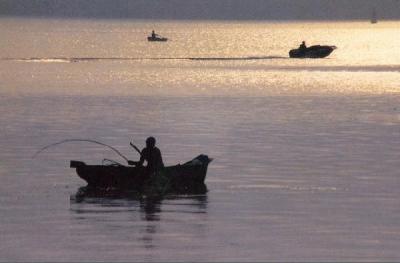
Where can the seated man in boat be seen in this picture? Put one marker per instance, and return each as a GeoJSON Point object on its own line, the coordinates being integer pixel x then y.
{"type": "Point", "coordinates": [303, 46]}
{"type": "Point", "coordinates": [153, 34]}
{"type": "Point", "coordinates": [152, 155]}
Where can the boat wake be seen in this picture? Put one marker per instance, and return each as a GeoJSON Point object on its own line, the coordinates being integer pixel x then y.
{"type": "Point", "coordinates": [240, 58]}
{"type": "Point", "coordinates": [368, 68]}
{"type": "Point", "coordinates": [88, 59]}
{"type": "Point", "coordinates": [39, 60]}
{"type": "Point", "coordinates": [297, 67]}
{"type": "Point", "coordinates": [340, 68]}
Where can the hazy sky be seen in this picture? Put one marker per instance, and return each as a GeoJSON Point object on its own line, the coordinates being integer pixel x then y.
{"type": "Point", "coordinates": [204, 9]}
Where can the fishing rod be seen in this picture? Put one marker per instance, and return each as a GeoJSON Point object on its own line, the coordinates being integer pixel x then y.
{"type": "Point", "coordinates": [80, 140]}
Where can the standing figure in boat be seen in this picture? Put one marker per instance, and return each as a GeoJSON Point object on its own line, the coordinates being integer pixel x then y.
{"type": "Point", "coordinates": [156, 37]}
{"type": "Point", "coordinates": [152, 155]}
{"type": "Point", "coordinates": [303, 46]}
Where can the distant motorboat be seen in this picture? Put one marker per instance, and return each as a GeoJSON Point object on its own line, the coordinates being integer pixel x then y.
{"type": "Point", "coordinates": [316, 51]}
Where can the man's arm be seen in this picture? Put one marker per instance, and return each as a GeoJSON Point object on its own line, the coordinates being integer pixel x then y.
{"type": "Point", "coordinates": [161, 163]}
{"type": "Point", "coordinates": [140, 162]}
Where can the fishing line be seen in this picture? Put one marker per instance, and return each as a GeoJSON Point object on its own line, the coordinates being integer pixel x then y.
{"type": "Point", "coordinates": [79, 140]}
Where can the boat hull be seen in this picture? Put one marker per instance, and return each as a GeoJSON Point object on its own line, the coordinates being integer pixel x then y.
{"type": "Point", "coordinates": [312, 52]}
{"type": "Point", "coordinates": [157, 39]}
{"type": "Point", "coordinates": [178, 178]}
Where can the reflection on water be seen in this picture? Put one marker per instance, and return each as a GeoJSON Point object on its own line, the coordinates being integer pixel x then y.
{"type": "Point", "coordinates": [145, 215]}
{"type": "Point", "coordinates": [151, 209]}
{"type": "Point", "coordinates": [148, 205]}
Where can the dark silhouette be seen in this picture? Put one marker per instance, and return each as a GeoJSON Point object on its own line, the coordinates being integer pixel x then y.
{"type": "Point", "coordinates": [152, 155]}
{"type": "Point", "coordinates": [182, 178]}
{"type": "Point", "coordinates": [156, 37]}
{"type": "Point", "coordinates": [303, 46]}
{"type": "Point", "coordinates": [316, 51]}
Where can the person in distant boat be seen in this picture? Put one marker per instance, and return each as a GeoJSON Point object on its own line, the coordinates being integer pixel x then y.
{"type": "Point", "coordinates": [153, 34]}
{"type": "Point", "coordinates": [152, 155]}
{"type": "Point", "coordinates": [303, 46]}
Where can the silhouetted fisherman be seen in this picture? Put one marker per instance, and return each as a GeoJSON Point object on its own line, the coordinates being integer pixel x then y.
{"type": "Point", "coordinates": [153, 34]}
{"type": "Point", "coordinates": [303, 46]}
{"type": "Point", "coordinates": [152, 155]}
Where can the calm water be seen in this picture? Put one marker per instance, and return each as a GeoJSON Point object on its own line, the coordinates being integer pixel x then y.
{"type": "Point", "coordinates": [305, 151]}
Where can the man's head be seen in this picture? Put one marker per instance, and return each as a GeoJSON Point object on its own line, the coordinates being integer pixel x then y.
{"type": "Point", "coordinates": [150, 142]}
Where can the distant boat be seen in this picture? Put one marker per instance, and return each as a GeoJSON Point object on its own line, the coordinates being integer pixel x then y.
{"type": "Point", "coordinates": [160, 39]}
{"type": "Point", "coordinates": [374, 18]}
{"type": "Point", "coordinates": [312, 52]}
{"type": "Point", "coordinates": [154, 37]}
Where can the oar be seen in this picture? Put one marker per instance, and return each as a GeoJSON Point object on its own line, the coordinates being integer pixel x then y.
{"type": "Point", "coordinates": [136, 148]}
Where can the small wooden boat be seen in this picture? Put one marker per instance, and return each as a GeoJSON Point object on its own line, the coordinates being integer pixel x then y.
{"type": "Point", "coordinates": [188, 177]}
{"type": "Point", "coordinates": [155, 39]}
{"type": "Point", "coordinates": [312, 52]}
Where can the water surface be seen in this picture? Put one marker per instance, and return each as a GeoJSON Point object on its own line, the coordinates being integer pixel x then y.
{"type": "Point", "coordinates": [305, 151]}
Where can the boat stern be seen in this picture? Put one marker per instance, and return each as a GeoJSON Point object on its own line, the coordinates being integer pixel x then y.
{"type": "Point", "coordinates": [76, 164]}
